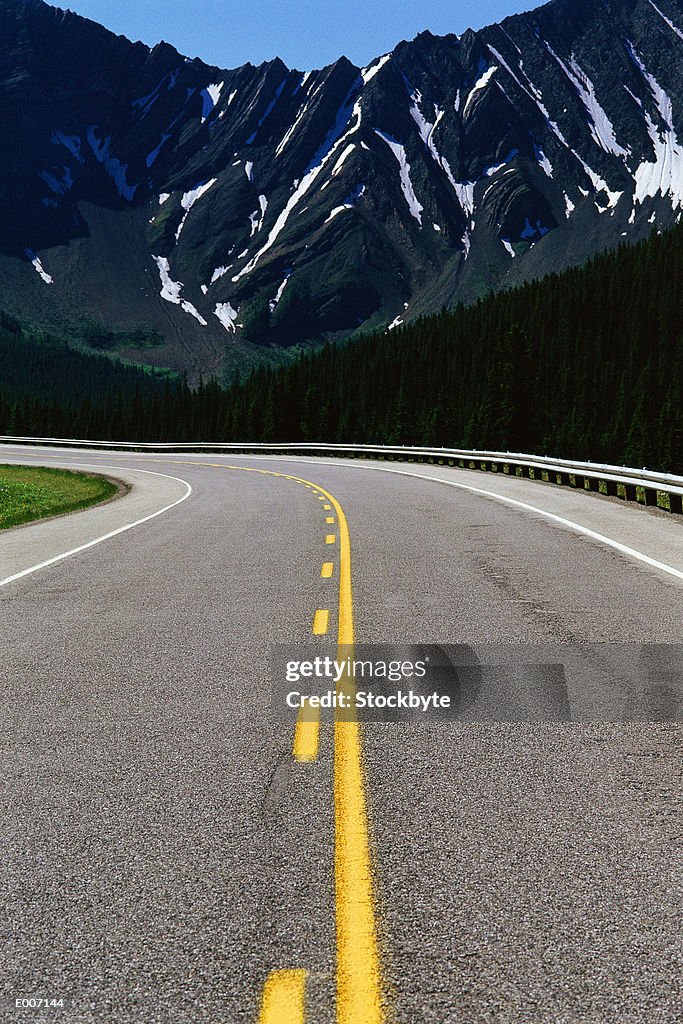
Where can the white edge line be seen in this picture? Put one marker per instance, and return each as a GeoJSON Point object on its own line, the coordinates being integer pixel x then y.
{"type": "Point", "coordinates": [584, 530]}
{"type": "Point", "coordinates": [106, 536]}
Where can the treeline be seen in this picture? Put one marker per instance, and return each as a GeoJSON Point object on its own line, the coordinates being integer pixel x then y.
{"type": "Point", "coordinates": [583, 364]}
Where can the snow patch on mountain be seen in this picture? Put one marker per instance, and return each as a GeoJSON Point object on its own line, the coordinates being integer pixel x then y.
{"type": "Point", "coordinates": [348, 203]}
{"type": "Point", "coordinates": [465, 191]}
{"type": "Point", "coordinates": [414, 205]}
{"type": "Point", "coordinates": [495, 168]}
{"type": "Point", "coordinates": [542, 161]}
{"type": "Point", "coordinates": [272, 305]}
{"type": "Point", "coordinates": [478, 86]}
{"type": "Point", "coordinates": [342, 159]}
{"type": "Point", "coordinates": [256, 218]}
{"type": "Point", "coordinates": [38, 266]}
{"type": "Point", "coordinates": [301, 113]}
{"type": "Point", "coordinates": [667, 20]}
{"type": "Point", "coordinates": [369, 72]}
{"type": "Point", "coordinates": [115, 169]}
{"type": "Point", "coordinates": [599, 184]}
{"type": "Point", "coordinates": [210, 97]}
{"type": "Point", "coordinates": [171, 290]}
{"type": "Point", "coordinates": [263, 206]}
{"type": "Point", "coordinates": [227, 316]}
{"type": "Point", "coordinates": [601, 128]}
{"type": "Point", "coordinates": [427, 128]}
{"type": "Point", "coordinates": [532, 92]}
{"type": "Point", "coordinates": [664, 175]}
{"type": "Point", "coordinates": [219, 272]}
{"type": "Point", "coordinates": [190, 198]}
{"type": "Point", "coordinates": [334, 140]}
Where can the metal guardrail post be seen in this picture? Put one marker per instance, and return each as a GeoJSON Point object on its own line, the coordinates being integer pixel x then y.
{"type": "Point", "coordinates": [629, 484]}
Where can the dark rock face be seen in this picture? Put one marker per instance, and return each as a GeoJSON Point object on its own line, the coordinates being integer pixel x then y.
{"type": "Point", "coordinates": [238, 212]}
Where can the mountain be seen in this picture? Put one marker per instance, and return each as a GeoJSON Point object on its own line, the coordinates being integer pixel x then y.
{"type": "Point", "coordinates": [203, 219]}
{"type": "Point", "coordinates": [567, 365]}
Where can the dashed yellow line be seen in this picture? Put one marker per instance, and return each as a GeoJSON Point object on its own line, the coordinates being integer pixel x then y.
{"type": "Point", "coordinates": [327, 570]}
{"type": "Point", "coordinates": [359, 992]}
{"type": "Point", "coordinates": [321, 621]}
{"type": "Point", "coordinates": [284, 998]}
{"type": "Point", "coordinates": [329, 519]}
{"type": "Point", "coordinates": [306, 735]}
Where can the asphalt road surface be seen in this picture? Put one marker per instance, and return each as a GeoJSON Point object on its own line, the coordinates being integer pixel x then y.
{"type": "Point", "coordinates": [169, 856]}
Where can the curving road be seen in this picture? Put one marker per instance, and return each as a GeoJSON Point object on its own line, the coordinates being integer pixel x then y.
{"type": "Point", "coordinates": [168, 859]}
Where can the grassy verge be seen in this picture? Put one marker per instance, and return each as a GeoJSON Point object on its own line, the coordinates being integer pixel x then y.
{"type": "Point", "coordinates": [32, 492]}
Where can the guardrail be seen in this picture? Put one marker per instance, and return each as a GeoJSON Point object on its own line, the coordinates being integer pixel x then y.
{"type": "Point", "coordinates": [664, 490]}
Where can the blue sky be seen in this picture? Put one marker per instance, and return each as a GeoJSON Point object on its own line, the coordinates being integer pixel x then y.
{"type": "Point", "coordinates": [305, 33]}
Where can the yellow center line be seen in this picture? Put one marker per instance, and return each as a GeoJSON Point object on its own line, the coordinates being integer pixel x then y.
{"type": "Point", "coordinates": [284, 998]}
{"type": "Point", "coordinates": [321, 621]}
{"type": "Point", "coordinates": [306, 734]}
{"type": "Point", "coordinates": [326, 570]}
{"type": "Point", "coordinates": [359, 994]}
{"type": "Point", "coordinates": [330, 538]}
{"type": "Point", "coordinates": [359, 999]}
{"type": "Point", "coordinates": [358, 966]}
{"type": "Point", "coordinates": [329, 519]}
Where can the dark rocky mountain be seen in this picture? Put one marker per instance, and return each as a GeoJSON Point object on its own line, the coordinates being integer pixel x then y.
{"type": "Point", "coordinates": [188, 216]}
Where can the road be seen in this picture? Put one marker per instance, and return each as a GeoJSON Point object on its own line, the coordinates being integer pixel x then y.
{"type": "Point", "coordinates": [168, 859]}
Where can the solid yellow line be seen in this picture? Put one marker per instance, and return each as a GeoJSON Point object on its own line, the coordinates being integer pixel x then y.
{"type": "Point", "coordinates": [329, 519]}
{"type": "Point", "coordinates": [306, 735]}
{"type": "Point", "coordinates": [321, 621]}
{"type": "Point", "coordinates": [358, 966]}
{"type": "Point", "coordinates": [330, 538]}
{"type": "Point", "coordinates": [326, 570]}
{"type": "Point", "coordinates": [284, 998]}
{"type": "Point", "coordinates": [358, 972]}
